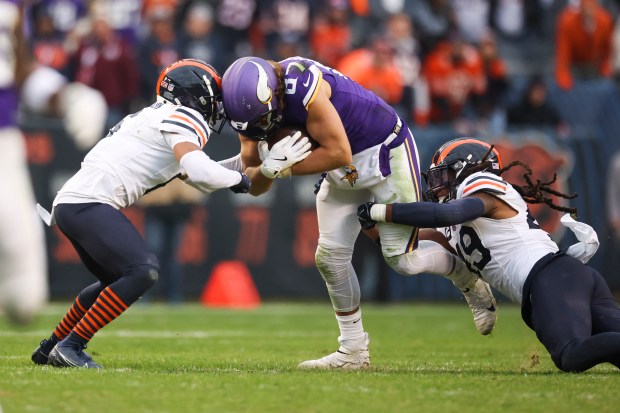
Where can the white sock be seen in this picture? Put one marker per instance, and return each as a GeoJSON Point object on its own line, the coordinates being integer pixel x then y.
{"type": "Point", "coordinates": [461, 277]}
{"type": "Point", "coordinates": [352, 335]}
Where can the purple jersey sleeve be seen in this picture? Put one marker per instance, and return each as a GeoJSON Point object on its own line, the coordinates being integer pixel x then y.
{"type": "Point", "coordinates": [366, 118]}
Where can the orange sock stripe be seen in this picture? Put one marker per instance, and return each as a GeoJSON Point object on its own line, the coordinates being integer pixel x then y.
{"type": "Point", "coordinates": [112, 313]}
{"type": "Point", "coordinates": [72, 317]}
{"type": "Point", "coordinates": [111, 305]}
{"type": "Point", "coordinates": [101, 313]}
{"type": "Point", "coordinates": [86, 325]}
{"type": "Point", "coordinates": [80, 306]}
{"type": "Point", "coordinates": [82, 333]}
{"type": "Point", "coordinates": [65, 325]}
{"type": "Point", "coordinates": [93, 322]}
{"type": "Point", "coordinates": [101, 321]}
{"type": "Point", "coordinates": [116, 299]}
{"type": "Point", "coordinates": [60, 331]}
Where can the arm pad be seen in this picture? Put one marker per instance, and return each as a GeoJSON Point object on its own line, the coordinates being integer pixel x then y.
{"type": "Point", "coordinates": [205, 174]}
{"type": "Point", "coordinates": [432, 215]}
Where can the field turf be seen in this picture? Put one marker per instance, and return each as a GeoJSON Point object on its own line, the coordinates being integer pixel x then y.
{"type": "Point", "coordinates": [425, 358]}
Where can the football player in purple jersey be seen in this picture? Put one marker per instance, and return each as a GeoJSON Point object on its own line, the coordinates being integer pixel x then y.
{"type": "Point", "coordinates": [23, 270]}
{"type": "Point", "coordinates": [368, 153]}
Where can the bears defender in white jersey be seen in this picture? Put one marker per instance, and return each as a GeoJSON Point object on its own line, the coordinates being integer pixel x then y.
{"type": "Point", "coordinates": [137, 156]}
{"type": "Point", "coordinates": [486, 221]}
{"type": "Point", "coordinates": [145, 151]}
{"type": "Point", "coordinates": [488, 245]}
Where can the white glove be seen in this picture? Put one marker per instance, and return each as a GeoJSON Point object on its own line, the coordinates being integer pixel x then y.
{"type": "Point", "coordinates": [284, 154]}
{"type": "Point", "coordinates": [588, 240]}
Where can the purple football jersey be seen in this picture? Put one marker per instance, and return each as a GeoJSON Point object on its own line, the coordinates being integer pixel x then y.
{"type": "Point", "coordinates": [8, 93]}
{"type": "Point", "coordinates": [367, 119]}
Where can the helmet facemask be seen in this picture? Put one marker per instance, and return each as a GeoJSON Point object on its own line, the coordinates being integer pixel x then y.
{"type": "Point", "coordinates": [463, 158]}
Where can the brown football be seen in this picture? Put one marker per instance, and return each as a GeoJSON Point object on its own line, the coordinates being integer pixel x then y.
{"type": "Point", "coordinates": [284, 131]}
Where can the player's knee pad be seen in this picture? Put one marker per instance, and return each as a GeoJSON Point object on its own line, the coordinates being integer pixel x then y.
{"type": "Point", "coordinates": [429, 257]}
{"type": "Point", "coordinates": [334, 264]}
{"type": "Point", "coordinates": [144, 275]}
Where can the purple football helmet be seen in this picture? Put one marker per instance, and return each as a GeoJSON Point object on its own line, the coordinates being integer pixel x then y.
{"type": "Point", "coordinates": [249, 97]}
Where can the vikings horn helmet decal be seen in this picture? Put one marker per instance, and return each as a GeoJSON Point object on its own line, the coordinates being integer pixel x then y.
{"type": "Point", "coordinates": [248, 93]}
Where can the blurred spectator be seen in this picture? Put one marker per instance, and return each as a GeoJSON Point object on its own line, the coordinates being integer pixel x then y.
{"type": "Point", "coordinates": [158, 49]}
{"type": "Point", "coordinates": [83, 110]}
{"type": "Point", "coordinates": [375, 69]}
{"type": "Point", "coordinates": [285, 20]}
{"type": "Point", "coordinates": [64, 14]}
{"type": "Point", "coordinates": [234, 24]}
{"type": "Point", "coordinates": [489, 105]}
{"type": "Point", "coordinates": [616, 52]}
{"type": "Point", "coordinates": [472, 18]}
{"type": "Point", "coordinates": [400, 35]}
{"type": "Point", "coordinates": [166, 213]}
{"type": "Point", "coordinates": [583, 43]}
{"type": "Point", "coordinates": [454, 73]}
{"type": "Point", "coordinates": [105, 62]}
{"type": "Point", "coordinates": [515, 18]}
{"type": "Point", "coordinates": [330, 39]}
{"type": "Point", "coordinates": [535, 109]}
{"type": "Point", "coordinates": [613, 198]}
{"type": "Point", "coordinates": [123, 16]}
{"type": "Point", "coordinates": [197, 40]}
{"type": "Point", "coordinates": [434, 21]}
{"type": "Point", "coordinates": [46, 42]}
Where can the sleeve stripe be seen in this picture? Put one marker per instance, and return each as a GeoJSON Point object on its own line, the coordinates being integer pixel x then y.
{"type": "Point", "coordinates": [198, 120]}
{"type": "Point", "coordinates": [314, 88]}
{"type": "Point", "coordinates": [196, 127]}
{"type": "Point", "coordinates": [183, 125]}
{"type": "Point", "coordinates": [489, 178]}
{"type": "Point", "coordinates": [487, 183]}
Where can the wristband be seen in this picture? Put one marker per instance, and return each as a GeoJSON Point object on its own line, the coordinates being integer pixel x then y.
{"type": "Point", "coordinates": [377, 212]}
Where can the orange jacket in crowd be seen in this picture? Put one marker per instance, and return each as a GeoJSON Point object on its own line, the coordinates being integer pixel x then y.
{"type": "Point", "coordinates": [450, 81]}
{"type": "Point", "coordinates": [385, 80]}
{"type": "Point", "coordinates": [576, 44]}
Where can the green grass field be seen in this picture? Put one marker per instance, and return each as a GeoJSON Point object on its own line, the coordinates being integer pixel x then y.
{"type": "Point", "coordinates": [425, 358]}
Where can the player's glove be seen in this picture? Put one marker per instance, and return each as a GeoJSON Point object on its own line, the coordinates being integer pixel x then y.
{"type": "Point", "coordinates": [243, 187]}
{"type": "Point", "coordinates": [284, 154]}
{"type": "Point", "coordinates": [363, 214]}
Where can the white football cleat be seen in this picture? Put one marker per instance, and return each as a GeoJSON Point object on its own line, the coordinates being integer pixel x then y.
{"type": "Point", "coordinates": [483, 306]}
{"type": "Point", "coordinates": [341, 359]}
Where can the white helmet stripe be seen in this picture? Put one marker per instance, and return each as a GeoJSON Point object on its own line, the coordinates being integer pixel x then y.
{"type": "Point", "coordinates": [208, 83]}
{"type": "Point", "coordinates": [263, 91]}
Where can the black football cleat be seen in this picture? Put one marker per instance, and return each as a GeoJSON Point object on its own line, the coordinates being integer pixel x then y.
{"type": "Point", "coordinates": [71, 355]}
{"type": "Point", "coordinates": [40, 355]}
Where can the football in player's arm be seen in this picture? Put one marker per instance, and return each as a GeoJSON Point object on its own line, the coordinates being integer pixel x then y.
{"type": "Point", "coordinates": [486, 221]}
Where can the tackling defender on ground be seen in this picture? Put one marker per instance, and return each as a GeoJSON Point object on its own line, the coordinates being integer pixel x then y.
{"type": "Point", "coordinates": [487, 222]}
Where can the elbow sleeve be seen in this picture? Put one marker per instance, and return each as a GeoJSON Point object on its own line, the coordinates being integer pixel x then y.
{"type": "Point", "coordinates": [205, 172]}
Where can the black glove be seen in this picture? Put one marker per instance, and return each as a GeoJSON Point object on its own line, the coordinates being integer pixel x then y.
{"type": "Point", "coordinates": [317, 184]}
{"type": "Point", "coordinates": [243, 187]}
{"type": "Point", "coordinates": [363, 214]}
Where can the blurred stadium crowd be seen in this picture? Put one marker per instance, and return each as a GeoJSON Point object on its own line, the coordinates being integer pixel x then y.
{"type": "Point", "coordinates": [479, 64]}
{"type": "Point", "coordinates": [485, 68]}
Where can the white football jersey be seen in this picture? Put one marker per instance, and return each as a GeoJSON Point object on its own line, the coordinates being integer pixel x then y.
{"type": "Point", "coordinates": [502, 251]}
{"type": "Point", "coordinates": [137, 155]}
